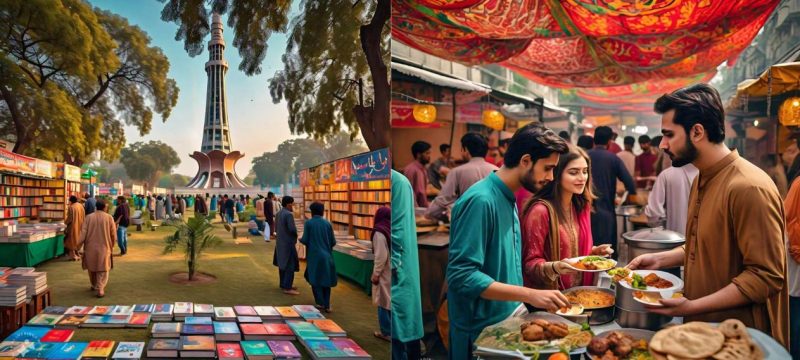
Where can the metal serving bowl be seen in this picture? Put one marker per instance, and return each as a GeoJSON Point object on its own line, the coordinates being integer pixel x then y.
{"type": "Point", "coordinates": [595, 316]}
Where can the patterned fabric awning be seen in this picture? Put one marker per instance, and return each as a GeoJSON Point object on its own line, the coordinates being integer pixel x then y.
{"type": "Point", "coordinates": [611, 47]}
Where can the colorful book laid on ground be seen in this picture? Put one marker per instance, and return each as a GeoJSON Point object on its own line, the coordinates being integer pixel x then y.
{"type": "Point", "coordinates": [277, 331]}
{"type": "Point", "coordinates": [349, 347]}
{"type": "Point", "coordinates": [183, 308]}
{"type": "Point", "coordinates": [99, 349]}
{"type": "Point", "coordinates": [55, 310]}
{"type": "Point", "coordinates": [243, 310]}
{"type": "Point", "coordinates": [197, 320]}
{"type": "Point", "coordinates": [144, 308]}
{"type": "Point", "coordinates": [249, 319]}
{"type": "Point", "coordinates": [284, 350]}
{"type": "Point", "coordinates": [163, 348]}
{"type": "Point", "coordinates": [106, 321]}
{"type": "Point", "coordinates": [306, 331]}
{"type": "Point", "coordinates": [224, 314]}
{"type": "Point", "coordinates": [166, 330]}
{"type": "Point", "coordinates": [287, 312]}
{"type": "Point", "coordinates": [28, 333]}
{"type": "Point", "coordinates": [203, 310]}
{"type": "Point", "coordinates": [78, 310]}
{"type": "Point", "coordinates": [13, 349]}
{"type": "Point", "coordinates": [329, 327]}
{"type": "Point", "coordinates": [101, 310]}
{"type": "Point", "coordinates": [58, 335]}
{"type": "Point", "coordinates": [227, 331]}
{"type": "Point", "coordinates": [267, 312]}
{"type": "Point", "coordinates": [122, 310]}
{"type": "Point", "coordinates": [229, 351]}
{"type": "Point", "coordinates": [189, 329]}
{"type": "Point", "coordinates": [139, 320]}
{"type": "Point", "coordinates": [67, 351]}
{"type": "Point", "coordinates": [71, 321]}
{"type": "Point", "coordinates": [162, 312]}
{"type": "Point", "coordinates": [49, 320]}
{"type": "Point", "coordinates": [308, 312]}
{"type": "Point", "coordinates": [253, 331]}
{"type": "Point", "coordinates": [256, 350]}
{"type": "Point", "coordinates": [37, 350]}
{"type": "Point", "coordinates": [128, 350]}
{"type": "Point", "coordinates": [198, 346]}
{"type": "Point", "coordinates": [324, 349]}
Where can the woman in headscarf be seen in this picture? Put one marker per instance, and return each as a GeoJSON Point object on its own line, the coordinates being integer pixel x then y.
{"type": "Point", "coordinates": [381, 271]}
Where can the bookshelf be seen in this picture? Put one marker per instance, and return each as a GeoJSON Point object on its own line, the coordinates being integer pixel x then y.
{"type": "Point", "coordinates": [339, 209]}
{"type": "Point", "coordinates": [350, 207]}
{"type": "Point", "coordinates": [54, 205]}
{"type": "Point", "coordinates": [24, 197]}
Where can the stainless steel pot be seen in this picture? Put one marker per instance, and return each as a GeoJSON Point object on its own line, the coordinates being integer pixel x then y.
{"type": "Point", "coordinates": [596, 316]}
{"type": "Point", "coordinates": [647, 241]}
{"type": "Point", "coordinates": [633, 314]}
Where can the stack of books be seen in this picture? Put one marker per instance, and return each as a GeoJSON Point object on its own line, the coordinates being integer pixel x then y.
{"type": "Point", "coordinates": [162, 312]}
{"type": "Point", "coordinates": [268, 313]}
{"type": "Point", "coordinates": [183, 310]}
{"type": "Point", "coordinates": [224, 314]}
{"type": "Point", "coordinates": [12, 295]}
{"type": "Point", "coordinates": [308, 312]}
{"type": "Point", "coordinates": [203, 310]}
{"type": "Point", "coordinates": [36, 282]}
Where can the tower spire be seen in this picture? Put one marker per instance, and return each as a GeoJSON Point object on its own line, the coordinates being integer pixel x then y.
{"type": "Point", "coordinates": [216, 134]}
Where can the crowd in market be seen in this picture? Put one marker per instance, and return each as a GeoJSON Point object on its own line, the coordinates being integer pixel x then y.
{"type": "Point", "coordinates": [515, 216]}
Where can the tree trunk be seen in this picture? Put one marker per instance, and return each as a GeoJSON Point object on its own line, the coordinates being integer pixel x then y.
{"type": "Point", "coordinates": [21, 132]}
{"type": "Point", "coordinates": [191, 258]}
{"type": "Point", "coordinates": [374, 120]}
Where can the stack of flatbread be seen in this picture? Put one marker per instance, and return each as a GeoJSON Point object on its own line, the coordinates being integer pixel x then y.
{"type": "Point", "coordinates": [699, 340]}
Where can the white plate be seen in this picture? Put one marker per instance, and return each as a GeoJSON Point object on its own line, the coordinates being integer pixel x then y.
{"type": "Point", "coordinates": [677, 283]}
{"type": "Point", "coordinates": [664, 295]}
{"type": "Point", "coordinates": [576, 259]}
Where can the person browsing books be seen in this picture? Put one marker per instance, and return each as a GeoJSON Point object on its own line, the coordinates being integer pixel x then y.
{"type": "Point", "coordinates": [320, 270]}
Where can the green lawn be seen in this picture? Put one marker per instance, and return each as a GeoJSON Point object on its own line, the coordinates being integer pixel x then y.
{"type": "Point", "coordinates": [245, 276]}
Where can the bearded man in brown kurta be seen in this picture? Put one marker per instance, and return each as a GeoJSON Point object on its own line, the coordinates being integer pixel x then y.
{"type": "Point", "coordinates": [74, 222]}
{"type": "Point", "coordinates": [735, 255]}
{"type": "Point", "coordinates": [98, 236]}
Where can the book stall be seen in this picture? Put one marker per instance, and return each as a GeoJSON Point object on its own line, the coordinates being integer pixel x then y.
{"type": "Point", "coordinates": [352, 189]}
{"type": "Point", "coordinates": [23, 294]}
{"type": "Point", "coordinates": [34, 197]}
{"type": "Point", "coordinates": [181, 330]}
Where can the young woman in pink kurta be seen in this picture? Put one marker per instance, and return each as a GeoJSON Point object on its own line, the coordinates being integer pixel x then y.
{"type": "Point", "coordinates": [568, 198]}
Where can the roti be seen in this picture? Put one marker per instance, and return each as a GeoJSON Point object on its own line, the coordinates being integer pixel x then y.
{"type": "Point", "coordinates": [694, 340]}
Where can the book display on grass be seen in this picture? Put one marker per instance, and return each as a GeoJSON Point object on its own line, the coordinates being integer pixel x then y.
{"type": "Point", "coordinates": [49, 335]}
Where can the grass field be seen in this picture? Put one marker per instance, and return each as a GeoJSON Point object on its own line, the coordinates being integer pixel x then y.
{"type": "Point", "coordinates": [245, 276]}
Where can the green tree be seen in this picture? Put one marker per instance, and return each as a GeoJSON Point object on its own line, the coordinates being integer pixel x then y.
{"type": "Point", "coordinates": [63, 97]}
{"type": "Point", "coordinates": [194, 237]}
{"type": "Point", "coordinates": [173, 180]}
{"type": "Point", "coordinates": [332, 45]}
{"type": "Point", "coordinates": [148, 161]}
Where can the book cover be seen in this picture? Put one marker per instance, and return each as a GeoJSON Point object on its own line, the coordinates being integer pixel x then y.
{"type": "Point", "coordinates": [12, 349]}
{"type": "Point", "coordinates": [67, 351]}
{"type": "Point", "coordinates": [144, 308]}
{"type": "Point", "coordinates": [79, 310]}
{"type": "Point", "coordinates": [45, 320]}
{"type": "Point", "coordinates": [243, 310]}
{"type": "Point", "coordinates": [122, 310]}
{"type": "Point", "coordinates": [35, 350]}
{"type": "Point", "coordinates": [163, 309]}
{"type": "Point", "coordinates": [287, 312]}
{"type": "Point", "coordinates": [72, 320]}
{"type": "Point", "coordinates": [101, 310]}
{"type": "Point", "coordinates": [164, 344]}
{"type": "Point", "coordinates": [99, 348]}
{"type": "Point", "coordinates": [198, 343]}
{"type": "Point", "coordinates": [224, 313]}
{"type": "Point", "coordinates": [349, 347]}
{"type": "Point", "coordinates": [189, 329]}
{"type": "Point", "coordinates": [324, 348]}
{"type": "Point", "coordinates": [226, 328]}
{"type": "Point", "coordinates": [312, 316]}
{"type": "Point", "coordinates": [55, 310]}
{"type": "Point", "coordinates": [307, 331]}
{"type": "Point", "coordinates": [305, 308]}
{"type": "Point", "coordinates": [58, 335]}
{"type": "Point", "coordinates": [139, 319]}
{"type": "Point", "coordinates": [197, 320]}
{"type": "Point", "coordinates": [283, 349]}
{"type": "Point", "coordinates": [203, 309]}
{"type": "Point", "coordinates": [229, 351]}
{"type": "Point", "coordinates": [256, 348]}
{"type": "Point", "coordinates": [253, 329]}
{"type": "Point", "coordinates": [249, 319]}
{"type": "Point", "coordinates": [278, 329]}
{"type": "Point", "coordinates": [267, 311]}
{"type": "Point", "coordinates": [183, 308]}
{"type": "Point", "coordinates": [167, 328]}
{"type": "Point", "coordinates": [129, 350]}
{"type": "Point", "coordinates": [28, 333]}
{"type": "Point", "coordinates": [328, 326]}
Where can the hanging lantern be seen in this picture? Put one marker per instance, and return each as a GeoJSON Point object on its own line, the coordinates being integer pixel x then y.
{"type": "Point", "coordinates": [493, 119]}
{"type": "Point", "coordinates": [789, 112]}
{"type": "Point", "coordinates": [425, 114]}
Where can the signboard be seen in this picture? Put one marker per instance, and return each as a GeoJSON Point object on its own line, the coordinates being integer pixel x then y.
{"type": "Point", "coordinates": [304, 177]}
{"type": "Point", "coordinates": [326, 174]}
{"type": "Point", "coordinates": [72, 173]}
{"type": "Point", "coordinates": [137, 190]}
{"type": "Point", "coordinates": [44, 168]}
{"type": "Point", "coordinates": [313, 176]}
{"type": "Point", "coordinates": [370, 166]}
{"type": "Point", "coordinates": [342, 170]}
{"type": "Point", "coordinates": [10, 161]}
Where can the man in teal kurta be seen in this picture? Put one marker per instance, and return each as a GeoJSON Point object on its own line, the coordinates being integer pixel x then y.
{"type": "Point", "coordinates": [320, 270]}
{"type": "Point", "coordinates": [484, 270]}
{"type": "Point", "coordinates": [406, 295]}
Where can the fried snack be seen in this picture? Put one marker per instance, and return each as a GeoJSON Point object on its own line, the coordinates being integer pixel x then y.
{"type": "Point", "coordinates": [533, 332]}
{"type": "Point", "coordinates": [694, 340]}
{"type": "Point", "coordinates": [556, 331]}
{"type": "Point", "coordinates": [598, 346]}
{"type": "Point", "coordinates": [541, 322]}
{"type": "Point", "coordinates": [655, 281]}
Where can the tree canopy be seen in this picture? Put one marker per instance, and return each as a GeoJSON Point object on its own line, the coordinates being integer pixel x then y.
{"type": "Point", "coordinates": [148, 161]}
{"type": "Point", "coordinates": [63, 97]}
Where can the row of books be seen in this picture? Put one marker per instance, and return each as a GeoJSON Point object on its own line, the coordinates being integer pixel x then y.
{"type": "Point", "coordinates": [340, 217]}
{"type": "Point", "coordinates": [371, 185]}
{"type": "Point", "coordinates": [373, 196]}
{"type": "Point", "coordinates": [248, 329]}
{"type": "Point", "coordinates": [339, 196]}
{"type": "Point", "coordinates": [180, 311]}
{"type": "Point", "coordinates": [7, 212]}
{"type": "Point", "coordinates": [98, 349]}
{"type": "Point", "coordinates": [339, 187]}
{"type": "Point", "coordinates": [20, 201]}
{"type": "Point", "coordinates": [338, 206]}
{"type": "Point", "coordinates": [23, 181]}
{"type": "Point", "coordinates": [11, 231]}
{"type": "Point", "coordinates": [363, 220]}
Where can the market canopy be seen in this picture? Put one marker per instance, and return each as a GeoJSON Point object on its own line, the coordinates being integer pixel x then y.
{"type": "Point", "coordinates": [586, 43]}
{"type": "Point", "coordinates": [776, 80]}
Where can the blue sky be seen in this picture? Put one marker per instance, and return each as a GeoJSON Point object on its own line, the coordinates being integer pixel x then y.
{"type": "Point", "coordinates": [257, 125]}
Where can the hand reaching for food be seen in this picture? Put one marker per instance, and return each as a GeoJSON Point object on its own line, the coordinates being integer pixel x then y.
{"type": "Point", "coordinates": [550, 300]}
{"type": "Point", "coordinates": [602, 250]}
{"type": "Point", "coordinates": [562, 268]}
{"type": "Point", "coordinates": [644, 262]}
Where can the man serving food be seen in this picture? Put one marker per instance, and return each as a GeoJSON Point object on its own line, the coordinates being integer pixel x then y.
{"type": "Point", "coordinates": [734, 256]}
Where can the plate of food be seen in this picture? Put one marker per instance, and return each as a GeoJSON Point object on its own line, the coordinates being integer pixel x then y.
{"type": "Point", "coordinates": [646, 280]}
{"type": "Point", "coordinates": [622, 344]}
{"type": "Point", "coordinates": [572, 310]}
{"type": "Point", "coordinates": [532, 335]}
{"type": "Point", "coordinates": [652, 298]}
{"type": "Point", "coordinates": [731, 339]}
{"type": "Point", "coordinates": [591, 263]}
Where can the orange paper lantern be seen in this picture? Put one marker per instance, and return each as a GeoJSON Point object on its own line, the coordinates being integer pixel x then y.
{"type": "Point", "coordinates": [493, 119]}
{"type": "Point", "coordinates": [425, 114]}
{"type": "Point", "coordinates": [789, 112]}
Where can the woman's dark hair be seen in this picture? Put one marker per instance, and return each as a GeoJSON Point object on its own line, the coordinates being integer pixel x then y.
{"type": "Point", "coordinates": [535, 140]}
{"type": "Point", "coordinates": [316, 208]}
{"type": "Point", "coordinates": [552, 191]}
{"type": "Point", "coordinates": [476, 144]}
{"type": "Point", "coordinates": [696, 104]}
{"type": "Point", "coordinates": [287, 200]}
{"type": "Point", "coordinates": [586, 142]}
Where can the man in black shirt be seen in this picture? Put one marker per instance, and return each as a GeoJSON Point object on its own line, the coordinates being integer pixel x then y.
{"type": "Point", "coordinates": [122, 219]}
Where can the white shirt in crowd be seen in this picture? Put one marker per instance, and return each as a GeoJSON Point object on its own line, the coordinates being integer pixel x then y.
{"type": "Point", "coordinates": [670, 197]}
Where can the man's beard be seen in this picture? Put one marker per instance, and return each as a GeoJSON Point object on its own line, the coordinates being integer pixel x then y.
{"type": "Point", "coordinates": [528, 182]}
{"type": "Point", "coordinates": [688, 155]}
{"type": "Point", "coordinates": [424, 161]}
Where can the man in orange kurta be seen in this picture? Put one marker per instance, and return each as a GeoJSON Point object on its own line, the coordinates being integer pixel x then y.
{"type": "Point", "coordinates": [98, 236]}
{"type": "Point", "coordinates": [75, 217]}
{"type": "Point", "coordinates": [734, 256]}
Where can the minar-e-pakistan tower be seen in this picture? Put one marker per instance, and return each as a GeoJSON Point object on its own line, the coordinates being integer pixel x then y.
{"type": "Point", "coordinates": [216, 162]}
